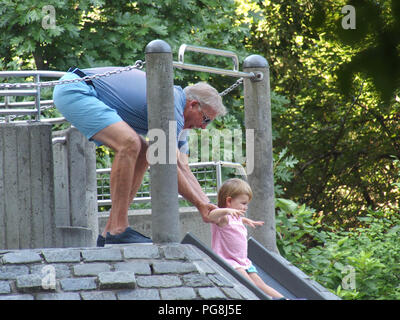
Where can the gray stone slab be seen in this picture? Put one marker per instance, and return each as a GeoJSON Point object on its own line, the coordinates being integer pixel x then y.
{"type": "Point", "coordinates": [98, 295]}
{"type": "Point", "coordinates": [160, 267]}
{"type": "Point", "coordinates": [141, 251]}
{"type": "Point", "coordinates": [220, 280]}
{"type": "Point", "coordinates": [90, 269]}
{"type": "Point", "coordinates": [158, 281]}
{"type": "Point", "coordinates": [77, 284]}
{"type": "Point", "coordinates": [136, 267]}
{"type": "Point", "coordinates": [178, 294]}
{"type": "Point", "coordinates": [5, 287]}
{"type": "Point", "coordinates": [211, 293]}
{"type": "Point", "coordinates": [231, 293]}
{"type": "Point", "coordinates": [29, 282]}
{"type": "Point", "coordinates": [62, 270]}
{"type": "Point", "coordinates": [197, 280]}
{"type": "Point", "coordinates": [17, 297]}
{"type": "Point", "coordinates": [174, 251]}
{"type": "Point", "coordinates": [9, 272]}
{"type": "Point", "coordinates": [21, 257]}
{"type": "Point", "coordinates": [62, 255]}
{"type": "Point", "coordinates": [117, 280]}
{"type": "Point", "coordinates": [139, 294]}
{"type": "Point", "coordinates": [204, 267]}
{"type": "Point", "coordinates": [58, 296]}
{"type": "Point", "coordinates": [103, 254]}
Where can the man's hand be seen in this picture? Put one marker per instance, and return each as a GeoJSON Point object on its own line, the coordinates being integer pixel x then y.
{"type": "Point", "coordinates": [205, 209]}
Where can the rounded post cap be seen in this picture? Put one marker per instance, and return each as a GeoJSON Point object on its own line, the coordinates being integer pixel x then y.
{"type": "Point", "coordinates": [158, 46]}
{"type": "Point", "coordinates": [255, 61]}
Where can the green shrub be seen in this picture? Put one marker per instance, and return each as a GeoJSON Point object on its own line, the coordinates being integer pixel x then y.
{"type": "Point", "coordinates": [369, 253]}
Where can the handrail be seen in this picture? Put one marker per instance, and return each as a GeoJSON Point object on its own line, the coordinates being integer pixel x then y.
{"type": "Point", "coordinates": [216, 164]}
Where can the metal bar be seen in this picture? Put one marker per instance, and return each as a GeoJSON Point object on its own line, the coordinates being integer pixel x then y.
{"type": "Point", "coordinates": [28, 112]}
{"type": "Point", "coordinates": [25, 103]}
{"type": "Point", "coordinates": [18, 92]}
{"type": "Point", "coordinates": [37, 98]}
{"type": "Point", "coordinates": [218, 52]}
{"type": "Point", "coordinates": [31, 73]}
{"type": "Point", "coordinates": [237, 74]}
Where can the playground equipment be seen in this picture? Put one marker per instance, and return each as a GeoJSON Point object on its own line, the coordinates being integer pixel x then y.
{"type": "Point", "coordinates": [23, 186]}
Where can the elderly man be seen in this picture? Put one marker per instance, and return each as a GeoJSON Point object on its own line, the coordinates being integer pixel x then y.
{"type": "Point", "coordinates": [112, 111]}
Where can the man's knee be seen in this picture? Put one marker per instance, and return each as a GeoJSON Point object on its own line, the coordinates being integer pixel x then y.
{"type": "Point", "coordinates": [130, 145]}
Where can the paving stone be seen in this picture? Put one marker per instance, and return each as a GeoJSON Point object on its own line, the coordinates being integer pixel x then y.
{"type": "Point", "coordinates": [76, 284]}
{"type": "Point", "coordinates": [220, 280]}
{"type": "Point", "coordinates": [58, 296]}
{"type": "Point", "coordinates": [158, 281]}
{"type": "Point", "coordinates": [197, 280]}
{"type": "Point", "coordinates": [232, 293]}
{"type": "Point", "coordinates": [204, 267]}
{"type": "Point", "coordinates": [29, 282]}
{"type": "Point", "coordinates": [173, 267]}
{"type": "Point", "coordinates": [117, 279]}
{"type": "Point", "coordinates": [21, 257]}
{"type": "Point", "coordinates": [191, 252]}
{"type": "Point", "coordinates": [133, 266]}
{"type": "Point", "coordinates": [17, 297]}
{"type": "Point", "coordinates": [103, 254]}
{"type": "Point", "coordinates": [178, 294]}
{"type": "Point", "coordinates": [90, 269]}
{"type": "Point", "coordinates": [174, 251]}
{"type": "Point", "coordinates": [11, 272]}
{"type": "Point", "coordinates": [141, 251]}
{"type": "Point", "coordinates": [62, 270]}
{"type": "Point", "coordinates": [98, 295]}
{"type": "Point", "coordinates": [5, 287]}
{"type": "Point", "coordinates": [139, 294]}
{"type": "Point", "coordinates": [62, 255]}
{"type": "Point", "coordinates": [211, 293]}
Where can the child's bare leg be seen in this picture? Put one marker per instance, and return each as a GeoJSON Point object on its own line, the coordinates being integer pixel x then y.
{"type": "Point", "coordinates": [263, 286]}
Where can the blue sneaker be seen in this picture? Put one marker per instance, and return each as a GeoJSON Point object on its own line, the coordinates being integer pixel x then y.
{"type": "Point", "coordinates": [128, 236]}
{"type": "Point", "coordinates": [101, 241]}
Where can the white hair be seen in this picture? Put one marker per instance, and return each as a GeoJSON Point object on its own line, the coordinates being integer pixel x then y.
{"type": "Point", "coordinates": [207, 96]}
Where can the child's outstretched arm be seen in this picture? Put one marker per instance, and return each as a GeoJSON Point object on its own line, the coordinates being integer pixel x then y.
{"type": "Point", "coordinates": [219, 215]}
{"type": "Point", "coordinates": [252, 223]}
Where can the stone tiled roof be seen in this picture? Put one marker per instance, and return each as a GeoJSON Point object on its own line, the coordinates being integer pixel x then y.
{"type": "Point", "coordinates": [124, 272]}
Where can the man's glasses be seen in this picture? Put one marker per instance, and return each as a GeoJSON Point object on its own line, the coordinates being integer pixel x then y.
{"type": "Point", "coordinates": [206, 119]}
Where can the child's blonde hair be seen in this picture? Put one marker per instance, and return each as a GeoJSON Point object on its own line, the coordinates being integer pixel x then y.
{"type": "Point", "coordinates": [233, 188]}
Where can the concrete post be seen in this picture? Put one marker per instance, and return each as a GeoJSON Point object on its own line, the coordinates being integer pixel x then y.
{"type": "Point", "coordinates": [162, 135]}
{"type": "Point", "coordinates": [26, 186]}
{"type": "Point", "coordinates": [75, 190]}
{"type": "Point", "coordinates": [257, 103]}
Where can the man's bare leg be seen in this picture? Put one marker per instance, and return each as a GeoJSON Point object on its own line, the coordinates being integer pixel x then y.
{"type": "Point", "coordinates": [139, 172]}
{"type": "Point", "coordinates": [127, 144]}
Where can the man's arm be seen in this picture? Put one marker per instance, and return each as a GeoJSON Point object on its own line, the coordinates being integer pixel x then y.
{"type": "Point", "coordinates": [190, 189]}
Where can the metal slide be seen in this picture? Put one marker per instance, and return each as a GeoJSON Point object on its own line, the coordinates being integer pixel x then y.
{"type": "Point", "coordinates": [275, 270]}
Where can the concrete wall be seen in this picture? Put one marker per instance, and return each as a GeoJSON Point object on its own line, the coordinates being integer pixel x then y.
{"type": "Point", "coordinates": [26, 186]}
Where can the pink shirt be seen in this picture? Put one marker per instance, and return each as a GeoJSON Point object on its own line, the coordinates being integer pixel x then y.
{"type": "Point", "coordinates": [230, 242]}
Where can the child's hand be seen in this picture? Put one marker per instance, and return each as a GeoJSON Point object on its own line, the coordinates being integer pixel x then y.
{"type": "Point", "coordinates": [252, 223]}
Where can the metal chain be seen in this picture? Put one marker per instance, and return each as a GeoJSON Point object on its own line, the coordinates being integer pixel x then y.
{"type": "Point", "coordinates": [139, 64]}
{"type": "Point", "coordinates": [232, 87]}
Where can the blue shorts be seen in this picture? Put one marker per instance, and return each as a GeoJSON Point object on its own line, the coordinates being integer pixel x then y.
{"type": "Point", "coordinates": [251, 269]}
{"type": "Point", "coordinates": [79, 104]}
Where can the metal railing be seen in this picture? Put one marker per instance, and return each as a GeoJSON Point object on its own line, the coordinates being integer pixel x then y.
{"type": "Point", "coordinates": [10, 110]}
{"type": "Point", "coordinates": [208, 174]}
